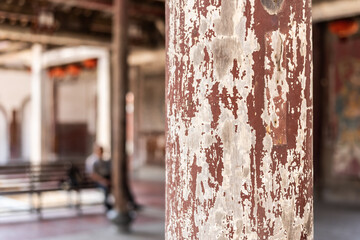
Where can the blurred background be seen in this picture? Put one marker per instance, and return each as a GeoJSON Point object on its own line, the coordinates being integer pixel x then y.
{"type": "Point", "coordinates": [56, 65]}
{"type": "Point", "coordinates": [56, 69]}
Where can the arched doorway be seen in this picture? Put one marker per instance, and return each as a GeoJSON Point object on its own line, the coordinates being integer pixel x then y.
{"type": "Point", "coordinates": [26, 129]}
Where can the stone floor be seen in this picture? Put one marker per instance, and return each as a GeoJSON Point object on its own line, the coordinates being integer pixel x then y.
{"type": "Point", "coordinates": [149, 224]}
{"type": "Point", "coordinates": [148, 231]}
{"type": "Point", "coordinates": [337, 222]}
{"type": "Point", "coordinates": [332, 222]}
{"type": "Point", "coordinates": [66, 224]}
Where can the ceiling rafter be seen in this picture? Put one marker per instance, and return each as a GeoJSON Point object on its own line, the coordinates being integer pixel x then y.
{"type": "Point", "coordinates": [86, 4]}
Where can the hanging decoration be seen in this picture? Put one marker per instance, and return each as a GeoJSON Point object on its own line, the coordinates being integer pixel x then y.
{"type": "Point", "coordinates": [73, 70]}
{"type": "Point", "coordinates": [90, 63]}
{"type": "Point", "coordinates": [56, 73]}
{"type": "Point", "coordinates": [344, 28]}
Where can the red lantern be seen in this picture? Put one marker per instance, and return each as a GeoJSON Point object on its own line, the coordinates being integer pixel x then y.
{"type": "Point", "coordinates": [89, 63]}
{"type": "Point", "coordinates": [57, 72]}
{"type": "Point", "coordinates": [73, 70]}
{"type": "Point", "coordinates": [344, 28]}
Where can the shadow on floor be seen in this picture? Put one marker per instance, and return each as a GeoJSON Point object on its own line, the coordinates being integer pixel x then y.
{"type": "Point", "coordinates": [336, 222]}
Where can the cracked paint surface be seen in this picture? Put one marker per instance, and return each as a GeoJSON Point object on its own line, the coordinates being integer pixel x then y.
{"type": "Point", "coordinates": [239, 120]}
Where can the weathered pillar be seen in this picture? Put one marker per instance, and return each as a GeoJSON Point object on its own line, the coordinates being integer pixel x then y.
{"type": "Point", "coordinates": [239, 120]}
{"type": "Point", "coordinates": [119, 87]}
{"type": "Point", "coordinates": [37, 83]}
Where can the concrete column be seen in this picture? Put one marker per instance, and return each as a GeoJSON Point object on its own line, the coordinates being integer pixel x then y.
{"type": "Point", "coordinates": [103, 129]}
{"type": "Point", "coordinates": [36, 146]}
{"type": "Point", "coordinates": [239, 120]}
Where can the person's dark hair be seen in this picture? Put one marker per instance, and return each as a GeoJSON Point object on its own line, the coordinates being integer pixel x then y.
{"type": "Point", "coordinates": [97, 147]}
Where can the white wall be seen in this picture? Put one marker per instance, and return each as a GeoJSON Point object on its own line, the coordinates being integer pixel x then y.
{"type": "Point", "coordinates": [152, 103]}
{"type": "Point", "coordinates": [14, 89]}
{"type": "Point", "coordinates": [76, 100]}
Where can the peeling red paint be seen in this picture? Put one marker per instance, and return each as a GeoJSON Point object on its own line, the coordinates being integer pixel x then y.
{"type": "Point", "coordinates": [235, 70]}
{"type": "Point", "coordinates": [239, 120]}
{"type": "Point", "coordinates": [214, 156]}
{"type": "Point", "coordinates": [213, 98]}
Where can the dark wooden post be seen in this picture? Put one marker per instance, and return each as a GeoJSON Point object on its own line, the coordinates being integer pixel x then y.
{"type": "Point", "coordinates": [119, 87]}
{"type": "Point", "coordinates": [239, 120]}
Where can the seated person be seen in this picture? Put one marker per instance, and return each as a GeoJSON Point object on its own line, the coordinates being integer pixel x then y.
{"type": "Point", "coordinates": [99, 171]}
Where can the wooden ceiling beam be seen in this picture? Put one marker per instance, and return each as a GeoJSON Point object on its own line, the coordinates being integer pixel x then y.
{"type": "Point", "coordinates": [62, 39]}
{"type": "Point", "coordinates": [85, 4]}
{"type": "Point", "coordinates": [23, 57]}
{"type": "Point", "coordinates": [327, 11]}
{"type": "Point", "coordinates": [135, 9]}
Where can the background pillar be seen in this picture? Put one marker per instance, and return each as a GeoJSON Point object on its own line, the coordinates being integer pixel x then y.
{"type": "Point", "coordinates": [36, 143]}
{"type": "Point", "coordinates": [103, 129]}
{"type": "Point", "coordinates": [239, 120]}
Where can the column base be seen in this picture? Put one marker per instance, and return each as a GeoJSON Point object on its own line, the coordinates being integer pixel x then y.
{"type": "Point", "coordinates": [122, 220]}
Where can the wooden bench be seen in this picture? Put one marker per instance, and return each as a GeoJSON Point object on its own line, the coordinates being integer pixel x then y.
{"type": "Point", "coordinates": [36, 179]}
